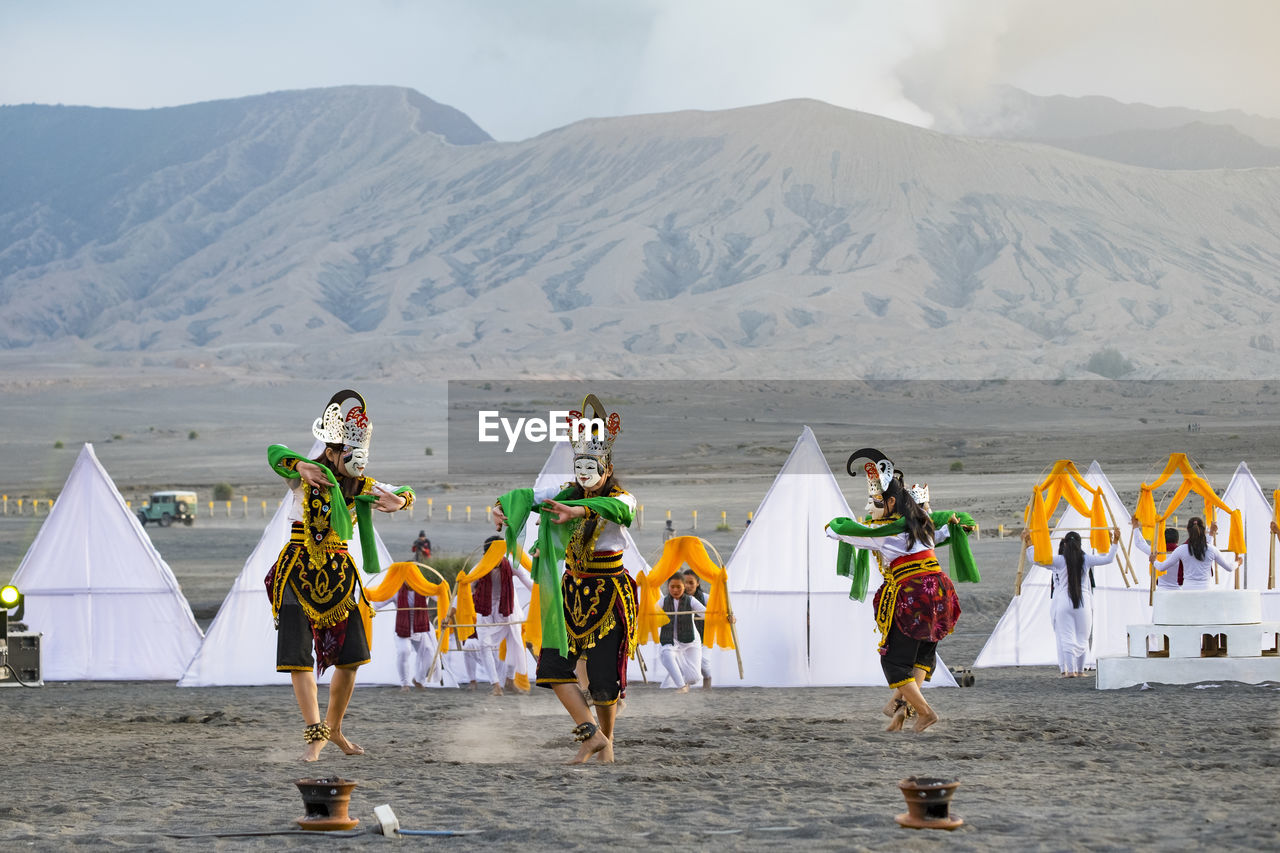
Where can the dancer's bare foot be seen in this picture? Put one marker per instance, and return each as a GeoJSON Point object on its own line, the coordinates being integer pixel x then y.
{"type": "Point", "coordinates": [471, 686]}
{"type": "Point", "coordinates": [895, 722]}
{"type": "Point", "coordinates": [890, 707]}
{"type": "Point", "coordinates": [418, 684]}
{"type": "Point", "coordinates": [596, 743]}
{"type": "Point", "coordinates": [684, 689]}
{"type": "Point", "coordinates": [605, 756]}
{"type": "Point", "coordinates": [345, 745]}
{"type": "Point", "coordinates": [404, 688]}
{"type": "Point", "coordinates": [925, 717]}
{"type": "Point", "coordinates": [312, 751]}
{"type": "Point", "coordinates": [497, 689]}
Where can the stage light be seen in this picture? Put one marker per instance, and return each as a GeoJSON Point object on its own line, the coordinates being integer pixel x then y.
{"type": "Point", "coordinates": [10, 598]}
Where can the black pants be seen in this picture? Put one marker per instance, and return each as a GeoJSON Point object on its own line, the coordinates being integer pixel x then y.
{"type": "Point", "coordinates": [602, 667]}
{"type": "Point", "coordinates": [902, 655]}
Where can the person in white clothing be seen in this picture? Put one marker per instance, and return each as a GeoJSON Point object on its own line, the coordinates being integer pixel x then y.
{"type": "Point", "coordinates": [498, 617]}
{"type": "Point", "coordinates": [1071, 597]}
{"type": "Point", "coordinates": [413, 630]}
{"type": "Point", "coordinates": [681, 643]}
{"type": "Point", "coordinates": [694, 590]}
{"type": "Point", "coordinates": [1197, 557]}
{"type": "Point", "coordinates": [1171, 579]}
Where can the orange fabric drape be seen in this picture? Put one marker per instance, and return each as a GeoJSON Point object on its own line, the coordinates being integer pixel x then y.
{"type": "Point", "coordinates": [1064, 482]}
{"type": "Point", "coordinates": [397, 575]}
{"type": "Point", "coordinates": [1154, 523]}
{"type": "Point", "coordinates": [679, 551]}
{"type": "Point", "coordinates": [489, 561]}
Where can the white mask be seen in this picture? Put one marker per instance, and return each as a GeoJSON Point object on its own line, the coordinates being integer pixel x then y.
{"type": "Point", "coordinates": [586, 472]}
{"type": "Point", "coordinates": [354, 460]}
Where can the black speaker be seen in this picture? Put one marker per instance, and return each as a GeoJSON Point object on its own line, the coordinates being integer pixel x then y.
{"type": "Point", "coordinates": [24, 658]}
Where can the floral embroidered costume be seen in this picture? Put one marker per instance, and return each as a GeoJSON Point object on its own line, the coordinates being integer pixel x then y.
{"type": "Point", "coordinates": [916, 605]}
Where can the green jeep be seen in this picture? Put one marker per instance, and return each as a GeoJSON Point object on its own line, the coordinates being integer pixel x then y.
{"type": "Point", "coordinates": [167, 507]}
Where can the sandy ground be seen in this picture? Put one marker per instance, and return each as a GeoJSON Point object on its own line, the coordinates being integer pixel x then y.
{"type": "Point", "coordinates": [1044, 763]}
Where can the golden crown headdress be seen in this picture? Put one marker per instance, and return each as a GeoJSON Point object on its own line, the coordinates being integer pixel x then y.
{"type": "Point", "coordinates": [593, 436]}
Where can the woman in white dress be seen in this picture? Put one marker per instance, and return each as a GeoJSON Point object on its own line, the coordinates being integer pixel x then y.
{"type": "Point", "coordinates": [1197, 557]}
{"type": "Point", "coordinates": [1071, 597]}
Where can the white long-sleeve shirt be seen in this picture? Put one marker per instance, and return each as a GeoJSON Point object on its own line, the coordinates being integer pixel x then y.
{"type": "Point", "coordinates": [892, 547]}
{"type": "Point", "coordinates": [1059, 568]}
{"type": "Point", "coordinates": [1196, 574]}
{"type": "Point", "coordinates": [610, 538]}
{"type": "Point", "coordinates": [1168, 580]}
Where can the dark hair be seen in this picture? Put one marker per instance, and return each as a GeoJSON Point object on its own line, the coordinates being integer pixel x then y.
{"type": "Point", "coordinates": [1073, 553]}
{"type": "Point", "coordinates": [689, 573]}
{"type": "Point", "coordinates": [1196, 539]}
{"type": "Point", "coordinates": [919, 524]}
{"type": "Point", "coordinates": [676, 577]}
{"type": "Point", "coordinates": [1170, 538]}
{"type": "Point", "coordinates": [350, 486]}
{"type": "Point", "coordinates": [488, 542]}
{"type": "Point", "coordinates": [576, 492]}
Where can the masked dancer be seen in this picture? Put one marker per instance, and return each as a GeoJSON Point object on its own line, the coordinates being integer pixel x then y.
{"type": "Point", "coordinates": [314, 585]}
{"type": "Point", "coordinates": [916, 605]}
{"type": "Point", "coordinates": [590, 611]}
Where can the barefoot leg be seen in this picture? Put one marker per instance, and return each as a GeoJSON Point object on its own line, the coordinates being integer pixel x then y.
{"type": "Point", "coordinates": [607, 714]}
{"type": "Point", "coordinates": [927, 716]}
{"type": "Point", "coordinates": [899, 717]}
{"type": "Point", "coordinates": [305, 692]}
{"type": "Point", "coordinates": [340, 689]}
{"type": "Point", "coordinates": [571, 698]}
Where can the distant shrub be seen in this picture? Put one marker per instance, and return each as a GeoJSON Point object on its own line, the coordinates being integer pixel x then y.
{"type": "Point", "coordinates": [446, 487]}
{"type": "Point", "coordinates": [193, 435]}
{"type": "Point", "coordinates": [117, 437]}
{"type": "Point", "coordinates": [957, 465]}
{"type": "Point", "coordinates": [720, 527]}
{"type": "Point", "coordinates": [222, 492]}
{"type": "Point", "coordinates": [1110, 363]}
{"type": "Point", "coordinates": [429, 452]}
{"type": "Point", "coordinates": [58, 445]}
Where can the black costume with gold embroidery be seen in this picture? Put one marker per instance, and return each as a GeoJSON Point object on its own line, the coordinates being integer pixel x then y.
{"type": "Point", "coordinates": [599, 612]}
{"type": "Point", "coordinates": [321, 578]}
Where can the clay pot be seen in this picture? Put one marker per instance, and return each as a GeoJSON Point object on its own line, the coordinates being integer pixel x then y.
{"type": "Point", "coordinates": [327, 801]}
{"type": "Point", "coordinates": [928, 803]}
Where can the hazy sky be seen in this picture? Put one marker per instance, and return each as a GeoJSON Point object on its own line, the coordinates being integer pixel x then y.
{"type": "Point", "coordinates": [521, 67]}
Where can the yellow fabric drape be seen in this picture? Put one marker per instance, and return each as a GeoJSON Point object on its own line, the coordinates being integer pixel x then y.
{"type": "Point", "coordinates": [397, 575]}
{"type": "Point", "coordinates": [489, 561]}
{"type": "Point", "coordinates": [1064, 482]}
{"type": "Point", "coordinates": [679, 551]}
{"type": "Point", "coordinates": [1191, 482]}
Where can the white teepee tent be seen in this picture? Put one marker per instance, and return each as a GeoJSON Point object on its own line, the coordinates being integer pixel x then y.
{"type": "Point", "coordinates": [109, 607]}
{"type": "Point", "coordinates": [1024, 635]}
{"type": "Point", "coordinates": [240, 646]}
{"type": "Point", "coordinates": [1244, 493]}
{"type": "Point", "coordinates": [797, 626]}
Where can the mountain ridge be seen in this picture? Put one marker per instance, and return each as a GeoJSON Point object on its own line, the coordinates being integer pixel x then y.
{"type": "Point", "coordinates": [788, 239]}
